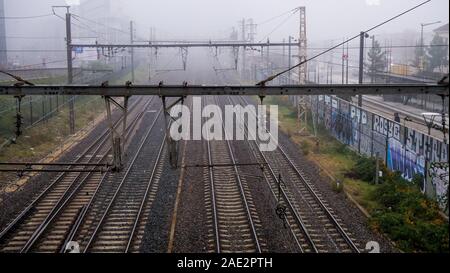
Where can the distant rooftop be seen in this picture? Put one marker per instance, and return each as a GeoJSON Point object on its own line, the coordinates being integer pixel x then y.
{"type": "Point", "coordinates": [443, 28]}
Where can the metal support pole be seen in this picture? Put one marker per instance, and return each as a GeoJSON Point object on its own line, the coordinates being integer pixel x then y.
{"type": "Point", "coordinates": [421, 65]}
{"type": "Point", "coordinates": [289, 60]}
{"type": "Point", "coordinates": [343, 59]}
{"type": "Point", "coordinates": [361, 63]}
{"type": "Point", "coordinates": [132, 51]}
{"type": "Point", "coordinates": [18, 116]}
{"type": "Point", "coordinates": [166, 127]}
{"type": "Point", "coordinates": [243, 49]}
{"type": "Point", "coordinates": [70, 71]}
{"type": "Point", "coordinates": [346, 64]}
{"type": "Point", "coordinates": [268, 60]}
{"type": "Point", "coordinates": [110, 123]}
{"type": "Point", "coordinates": [318, 73]}
{"type": "Point", "coordinates": [117, 142]}
{"type": "Point", "coordinates": [124, 122]}
{"type": "Point", "coordinates": [372, 72]}
{"type": "Point", "coordinates": [362, 36]}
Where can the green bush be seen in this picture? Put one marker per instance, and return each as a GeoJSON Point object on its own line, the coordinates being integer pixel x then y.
{"type": "Point", "coordinates": [409, 217]}
{"type": "Point", "coordinates": [364, 169]}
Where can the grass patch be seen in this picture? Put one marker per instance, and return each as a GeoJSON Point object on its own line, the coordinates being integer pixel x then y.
{"type": "Point", "coordinates": [38, 141]}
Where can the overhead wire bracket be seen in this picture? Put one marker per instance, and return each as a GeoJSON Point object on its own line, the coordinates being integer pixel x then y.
{"type": "Point", "coordinates": [173, 146]}
{"type": "Point", "coordinates": [118, 138]}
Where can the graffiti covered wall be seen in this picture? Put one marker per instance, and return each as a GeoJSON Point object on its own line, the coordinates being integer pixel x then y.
{"type": "Point", "coordinates": [402, 148]}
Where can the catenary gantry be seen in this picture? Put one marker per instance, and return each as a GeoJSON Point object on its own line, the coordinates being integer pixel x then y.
{"type": "Point", "coordinates": [200, 90]}
{"type": "Point", "coordinates": [110, 92]}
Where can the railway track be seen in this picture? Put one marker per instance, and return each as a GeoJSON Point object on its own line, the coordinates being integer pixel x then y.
{"type": "Point", "coordinates": [313, 223]}
{"type": "Point", "coordinates": [44, 224]}
{"type": "Point", "coordinates": [292, 219]}
{"type": "Point", "coordinates": [234, 219]}
{"type": "Point", "coordinates": [112, 226]}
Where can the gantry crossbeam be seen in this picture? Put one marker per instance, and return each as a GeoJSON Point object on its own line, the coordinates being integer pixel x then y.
{"type": "Point", "coordinates": [200, 90]}
{"type": "Point", "coordinates": [184, 45]}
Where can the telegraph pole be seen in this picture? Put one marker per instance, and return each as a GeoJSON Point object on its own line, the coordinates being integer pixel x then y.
{"type": "Point", "coordinates": [132, 51]}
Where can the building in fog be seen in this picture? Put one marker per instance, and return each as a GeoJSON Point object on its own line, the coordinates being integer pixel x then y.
{"type": "Point", "coordinates": [106, 20]}
{"type": "Point", "coordinates": [34, 42]}
{"type": "Point", "coordinates": [101, 21]}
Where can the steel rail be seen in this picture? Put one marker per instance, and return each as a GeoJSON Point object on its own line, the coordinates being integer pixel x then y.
{"type": "Point", "coordinates": [141, 207]}
{"type": "Point", "coordinates": [54, 164]}
{"type": "Point", "coordinates": [238, 178]}
{"type": "Point", "coordinates": [97, 228]}
{"type": "Point", "coordinates": [297, 217]}
{"type": "Point", "coordinates": [58, 206]}
{"type": "Point", "coordinates": [213, 194]}
{"type": "Point", "coordinates": [25, 212]}
{"type": "Point", "coordinates": [317, 198]}
{"type": "Point", "coordinates": [83, 213]}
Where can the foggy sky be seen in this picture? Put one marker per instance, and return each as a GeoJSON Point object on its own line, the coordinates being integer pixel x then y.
{"type": "Point", "coordinates": [326, 19]}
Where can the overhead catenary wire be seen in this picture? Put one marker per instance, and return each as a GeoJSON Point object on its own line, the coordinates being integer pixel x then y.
{"type": "Point", "coordinates": [370, 47]}
{"type": "Point", "coordinates": [55, 61]}
{"type": "Point", "coordinates": [279, 25]}
{"type": "Point", "coordinates": [278, 16]}
{"type": "Point", "coordinates": [309, 49]}
{"type": "Point", "coordinates": [87, 27]}
{"type": "Point", "coordinates": [72, 23]}
{"type": "Point", "coordinates": [47, 37]}
{"type": "Point", "coordinates": [270, 78]}
{"type": "Point", "coordinates": [26, 17]}
{"type": "Point", "coordinates": [101, 24]}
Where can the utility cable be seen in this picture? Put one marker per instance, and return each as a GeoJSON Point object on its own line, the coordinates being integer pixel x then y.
{"type": "Point", "coordinates": [263, 82]}
{"type": "Point", "coordinates": [278, 16]}
{"type": "Point", "coordinates": [26, 17]}
{"type": "Point", "coordinates": [279, 25]}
